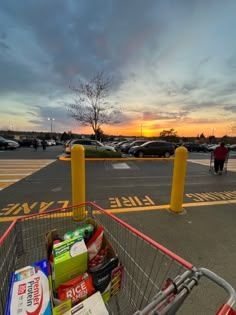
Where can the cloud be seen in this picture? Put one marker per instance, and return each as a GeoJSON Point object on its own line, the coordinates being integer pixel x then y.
{"type": "Point", "coordinates": [166, 65]}
{"type": "Point", "coordinates": [230, 108]}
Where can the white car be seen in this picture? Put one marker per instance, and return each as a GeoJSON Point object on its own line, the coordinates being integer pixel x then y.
{"type": "Point", "coordinates": [51, 142]}
{"type": "Point", "coordinates": [89, 144]}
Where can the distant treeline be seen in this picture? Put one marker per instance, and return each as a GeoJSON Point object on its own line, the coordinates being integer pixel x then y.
{"type": "Point", "coordinates": [12, 134]}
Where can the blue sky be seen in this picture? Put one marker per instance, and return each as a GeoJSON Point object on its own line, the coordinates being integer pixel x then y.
{"type": "Point", "coordinates": [173, 63]}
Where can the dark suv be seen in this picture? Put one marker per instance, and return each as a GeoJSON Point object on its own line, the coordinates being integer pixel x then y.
{"type": "Point", "coordinates": [195, 147]}
{"type": "Point", "coordinates": [127, 146]}
{"type": "Point", "coordinates": [26, 142]}
{"type": "Point", "coordinates": [153, 148]}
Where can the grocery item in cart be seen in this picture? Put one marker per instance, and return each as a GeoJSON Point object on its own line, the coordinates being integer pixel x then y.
{"type": "Point", "coordinates": [99, 260]}
{"type": "Point", "coordinates": [147, 266]}
{"type": "Point", "coordinates": [95, 243]}
{"type": "Point", "coordinates": [70, 259]}
{"type": "Point", "coordinates": [86, 232]}
{"type": "Point", "coordinates": [93, 305]}
{"type": "Point", "coordinates": [102, 277]}
{"type": "Point", "coordinates": [29, 291]}
{"type": "Point", "coordinates": [76, 289]}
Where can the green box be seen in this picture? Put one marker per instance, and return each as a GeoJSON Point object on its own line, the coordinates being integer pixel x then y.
{"type": "Point", "coordinates": [61, 308]}
{"type": "Point", "coordinates": [70, 260]}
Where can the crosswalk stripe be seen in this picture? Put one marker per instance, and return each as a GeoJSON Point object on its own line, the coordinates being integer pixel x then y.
{"type": "Point", "coordinates": [15, 174]}
{"type": "Point", "coordinates": [8, 180]}
{"type": "Point", "coordinates": [12, 171]}
{"type": "Point", "coordinates": [231, 165]}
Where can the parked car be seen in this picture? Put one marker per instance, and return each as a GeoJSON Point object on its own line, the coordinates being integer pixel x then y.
{"type": "Point", "coordinates": [232, 147]}
{"type": "Point", "coordinates": [59, 142]}
{"type": "Point", "coordinates": [88, 144]}
{"type": "Point", "coordinates": [51, 142]}
{"type": "Point", "coordinates": [12, 145]}
{"type": "Point", "coordinates": [121, 143]}
{"type": "Point", "coordinates": [3, 144]}
{"type": "Point", "coordinates": [8, 144]}
{"type": "Point", "coordinates": [211, 148]}
{"type": "Point", "coordinates": [26, 142]}
{"type": "Point", "coordinates": [126, 146]}
{"type": "Point", "coordinates": [153, 148]}
{"type": "Point", "coordinates": [195, 147]}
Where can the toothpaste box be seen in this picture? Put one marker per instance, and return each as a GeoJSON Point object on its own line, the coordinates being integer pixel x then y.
{"type": "Point", "coordinates": [29, 292]}
{"type": "Point", "coordinates": [93, 305]}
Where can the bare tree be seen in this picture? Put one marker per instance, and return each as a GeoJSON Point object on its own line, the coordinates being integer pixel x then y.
{"type": "Point", "coordinates": [91, 108]}
{"type": "Point", "coordinates": [168, 133]}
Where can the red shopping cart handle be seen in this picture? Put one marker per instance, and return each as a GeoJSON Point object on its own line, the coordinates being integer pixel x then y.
{"type": "Point", "coordinates": [226, 310]}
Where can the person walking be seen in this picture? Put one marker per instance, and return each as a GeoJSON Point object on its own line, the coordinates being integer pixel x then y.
{"type": "Point", "coordinates": [44, 144]}
{"type": "Point", "coordinates": [220, 155]}
{"type": "Point", "coordinates": [35, 144]}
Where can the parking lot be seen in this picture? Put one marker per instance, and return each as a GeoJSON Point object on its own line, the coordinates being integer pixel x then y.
{"type": "Point", "coordinates": [138, 192]}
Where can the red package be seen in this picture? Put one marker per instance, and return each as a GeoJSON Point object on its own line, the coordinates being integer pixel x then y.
{"type": "Point", "coordinates": [76, 289]}
{"type": "Point", "coordinates": [98, 260]}
{"type": "Point", "coordinates": [95, 243]}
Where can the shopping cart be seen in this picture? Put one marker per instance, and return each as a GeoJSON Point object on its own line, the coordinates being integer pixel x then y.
{"type": "Point", "coordinates": [155, 280]}
{"type": "Point", "coordinates": [212, 169]}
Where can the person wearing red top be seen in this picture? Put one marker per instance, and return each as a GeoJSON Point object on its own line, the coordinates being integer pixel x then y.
{"type": "Point", "coordinates": [220, 155]}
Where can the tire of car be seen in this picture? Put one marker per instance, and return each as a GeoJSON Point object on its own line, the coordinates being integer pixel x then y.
{"type": "Point", "coordinates": [3, 147]}
{"type": "Point", "coordinates": [140, 154]}
{"type": "Point", "coordinates": [167, 154]}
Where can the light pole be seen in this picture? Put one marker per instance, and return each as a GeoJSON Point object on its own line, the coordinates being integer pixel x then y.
{"type": "Point", "coordinates": [213, 129]}
{"type": "Point", "coordinates": [51, 119]}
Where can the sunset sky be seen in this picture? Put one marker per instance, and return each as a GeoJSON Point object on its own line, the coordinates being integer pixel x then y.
{"type": "Point", "coordinates": [173, 63]}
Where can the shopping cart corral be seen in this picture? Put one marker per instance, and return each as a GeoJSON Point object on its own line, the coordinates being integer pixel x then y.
{"type": "Point", "coordinates": [155, 280]}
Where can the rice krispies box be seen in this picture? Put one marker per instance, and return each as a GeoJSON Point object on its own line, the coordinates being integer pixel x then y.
{"type": "Point", "coordinates": [29, 291]}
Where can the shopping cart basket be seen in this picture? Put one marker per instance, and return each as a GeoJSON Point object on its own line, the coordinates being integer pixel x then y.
{"type": "Point", "coordinates": [212, 169]}
{"type": "Point", "coordinates": [155, 280]}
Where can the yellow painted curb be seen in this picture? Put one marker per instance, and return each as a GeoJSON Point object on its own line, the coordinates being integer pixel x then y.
{"type": "Point", "coordinates": [118, 159]}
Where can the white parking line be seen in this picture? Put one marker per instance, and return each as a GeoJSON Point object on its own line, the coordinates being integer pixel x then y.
{"type": "Point", "coordinates": [8, 180]}
{"type": "Point", "coordinates": [17, 169]}
{"type": "Point", "coordinates": [231, 166]}
{"type": "Point", "coordinates": [22, 174]}
{"type": "Point", "coordinates": [12, 171]}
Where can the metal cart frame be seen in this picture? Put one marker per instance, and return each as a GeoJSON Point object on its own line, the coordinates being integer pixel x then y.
{"type": "Point", "coordinates": [155, 280]}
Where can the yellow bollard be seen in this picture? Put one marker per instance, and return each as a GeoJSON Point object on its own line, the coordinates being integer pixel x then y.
{"type": "Point", "coordinates": [78, 181]}
{"type": "Point", "coordinates": [178, 181]}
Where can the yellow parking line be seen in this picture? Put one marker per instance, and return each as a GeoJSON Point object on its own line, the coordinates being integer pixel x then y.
{"type": "Point", "coordinates": [62, 158]}
{"type": "Point", "coordinates": [134, 209]}
{"type": "Point", "coordinates": [163, 207]}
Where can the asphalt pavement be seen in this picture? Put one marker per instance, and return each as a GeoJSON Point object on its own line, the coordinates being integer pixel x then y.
{"type": "Point", "coordinates": [138, 192]}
